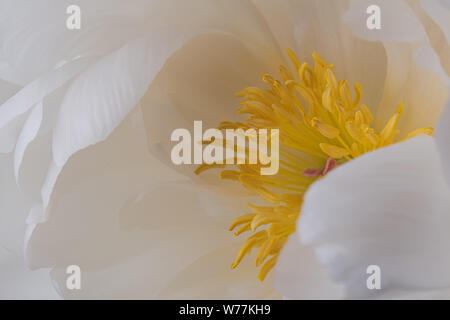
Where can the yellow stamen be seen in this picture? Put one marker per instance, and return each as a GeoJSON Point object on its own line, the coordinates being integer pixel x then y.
{"type": "Point", "coordinates": [318, 117]}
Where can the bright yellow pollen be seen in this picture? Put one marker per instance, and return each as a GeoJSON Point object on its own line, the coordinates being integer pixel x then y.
{"type": "Point", "coordinates": [319, 118]}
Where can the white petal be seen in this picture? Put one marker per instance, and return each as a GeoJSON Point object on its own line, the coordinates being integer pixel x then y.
{"type": "Point", "coordinates": [28, 133]}
{"type": "Point", "coordinates": [18, 282]}
{"type": "Point", "coordinates": [298, 275]}
{"type": "Point", "coordinates": [390, 208]}
{"type": "Point", "coordinates": [443, 140]}
{"type": "Point", "coordinates": [398, 21]}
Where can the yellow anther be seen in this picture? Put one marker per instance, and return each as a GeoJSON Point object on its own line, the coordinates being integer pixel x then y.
{"type": "Point", "coordinates": [334, 151]}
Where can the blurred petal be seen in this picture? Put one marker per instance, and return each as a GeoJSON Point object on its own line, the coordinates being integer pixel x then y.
{"type": "Point", "coordinates": [28, 133]}
{"type": "Point", "coordinates": [298, 275]}
{"type": "Point", "coordinates": [439, 11]}
{"type": "Point", "coordinates": [8, 133]}
{"type": "Point", "coordinates": [443, 140]}
{"type": "Point", "coordinates": [422, 91]}
{"type": "Point", "coordinates": [390, 208]}
{"type": "Point", "coordinates": [427, 58]}
{"type": "Point", "coordinates": [13, 208]}
{"type": "Point", "coordinates": [431, 16]}
{"type": "Point", "coordinates": [210, 277]}
{"type": "Point", "coordinates": [18, 282]}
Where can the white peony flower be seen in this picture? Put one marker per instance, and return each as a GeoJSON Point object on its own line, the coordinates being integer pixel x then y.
{"type": "Point", "coordinates": [85, 126]}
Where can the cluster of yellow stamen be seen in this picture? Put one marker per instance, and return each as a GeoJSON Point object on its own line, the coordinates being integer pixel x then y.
{"type": "Point", "coordinates": [319, 119]}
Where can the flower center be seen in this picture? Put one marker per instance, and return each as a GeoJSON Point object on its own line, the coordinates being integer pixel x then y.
{"type": "Point", "coordinates": [322, 125]}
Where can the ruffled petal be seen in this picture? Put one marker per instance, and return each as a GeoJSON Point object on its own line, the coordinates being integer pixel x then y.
{"type": "Point", "coordinates": [103, 95]}
{"type": "Point", "coordinates": [12, 111]}
{"type": "Point", "coordinates": [389, 208]}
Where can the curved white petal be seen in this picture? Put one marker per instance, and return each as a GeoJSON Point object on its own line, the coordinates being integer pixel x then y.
{"type": "Point", "coordinates": [390, 208]}
{"type": "Point", "coordinates": [38, 89]}
{"type": "Point", "coordinates": [443, 140]}
{"type": "Point", "coordinates": [298, 275]}
{"type": "Point", "coordinates": [14, 111]}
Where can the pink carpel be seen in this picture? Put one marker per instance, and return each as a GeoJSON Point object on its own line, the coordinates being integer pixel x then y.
{"type": "Point", "coordinates": [329, 165]}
